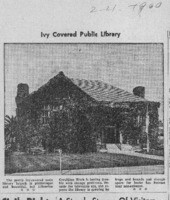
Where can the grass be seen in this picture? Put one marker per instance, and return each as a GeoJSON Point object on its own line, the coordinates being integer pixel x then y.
{"type": "Point", "coordinates": [47, 162]}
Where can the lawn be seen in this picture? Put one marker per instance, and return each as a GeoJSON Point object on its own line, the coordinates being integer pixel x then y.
{"type": "Point", "coordinates": [46, 162]}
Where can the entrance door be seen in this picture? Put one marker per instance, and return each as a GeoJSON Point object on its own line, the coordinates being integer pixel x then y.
{"type": "Point", "coordinates": [110, 135]}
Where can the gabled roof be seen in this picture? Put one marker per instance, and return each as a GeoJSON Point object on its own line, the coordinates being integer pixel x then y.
{"type": "Point", "coordinates": [101, 91]}
{"type": "Point", "coordinates": [97, 90]}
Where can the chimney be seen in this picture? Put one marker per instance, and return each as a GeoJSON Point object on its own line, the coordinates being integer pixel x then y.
{"type": "Point", "coordinates": [139, 91]}
{"type": "Point", "coordinates": [23, 90]}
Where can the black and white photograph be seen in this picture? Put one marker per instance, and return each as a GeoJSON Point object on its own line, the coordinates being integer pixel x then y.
{"type": "Point", "coordinates": [84, 108]}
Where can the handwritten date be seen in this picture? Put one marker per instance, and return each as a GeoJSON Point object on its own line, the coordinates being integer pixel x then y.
{"type": "Point", "coordinates": [139, 7]}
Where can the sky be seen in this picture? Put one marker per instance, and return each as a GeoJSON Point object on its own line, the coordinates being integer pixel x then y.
{"type": "Point", "coordinates": [121, 65]}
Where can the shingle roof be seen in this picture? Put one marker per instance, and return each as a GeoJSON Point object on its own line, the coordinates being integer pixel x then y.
{"type": "Point", "coordinates": [98, 90]}
{"type": "Point", "coordinates": [101, 91]}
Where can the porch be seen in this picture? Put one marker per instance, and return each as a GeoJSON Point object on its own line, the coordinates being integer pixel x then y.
{"type": "Point", "coordinates": [112, 141]}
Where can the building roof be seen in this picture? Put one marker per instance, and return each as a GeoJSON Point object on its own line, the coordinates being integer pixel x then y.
{"type": "Point", "coordinates": [97, 90]}
{"type": "Point", "coordinates": [104, 92]}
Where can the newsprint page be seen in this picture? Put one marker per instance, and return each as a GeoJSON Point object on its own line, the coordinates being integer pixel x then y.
{"type": "Point", "coordinates": [84, 100]}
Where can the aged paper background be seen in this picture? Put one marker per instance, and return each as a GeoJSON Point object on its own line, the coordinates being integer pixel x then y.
{"type": "Point", "coordinates": [137, 21]}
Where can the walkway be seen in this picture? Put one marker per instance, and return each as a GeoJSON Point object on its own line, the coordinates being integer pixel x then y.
{"type": "Point", "coordinates": [151, 169]}
{"type": "Point", "coordinates": [142, 155]}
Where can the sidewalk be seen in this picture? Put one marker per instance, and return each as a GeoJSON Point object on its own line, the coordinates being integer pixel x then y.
{"type": "Point", "coordinates": [141, 155]}
{"type": "Point", "coordinates": [151, 169]}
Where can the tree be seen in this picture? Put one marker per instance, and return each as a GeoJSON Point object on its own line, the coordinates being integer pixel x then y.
{"type": "Point", "coordinates": [28, 134]}
{"type": "Point", "coordinates": [10, 133]}
{"type": "Point", "coordinates": [21, 134]}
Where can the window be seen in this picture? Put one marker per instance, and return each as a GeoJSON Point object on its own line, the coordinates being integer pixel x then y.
{"type": "Point", "coordinates": [45, 117]}
{"type": "Point", "coordinates": [45, 114]}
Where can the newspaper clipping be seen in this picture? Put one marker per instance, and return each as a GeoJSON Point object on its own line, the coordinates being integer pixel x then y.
{"type": "Point", "coordinates": [84, 100]}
